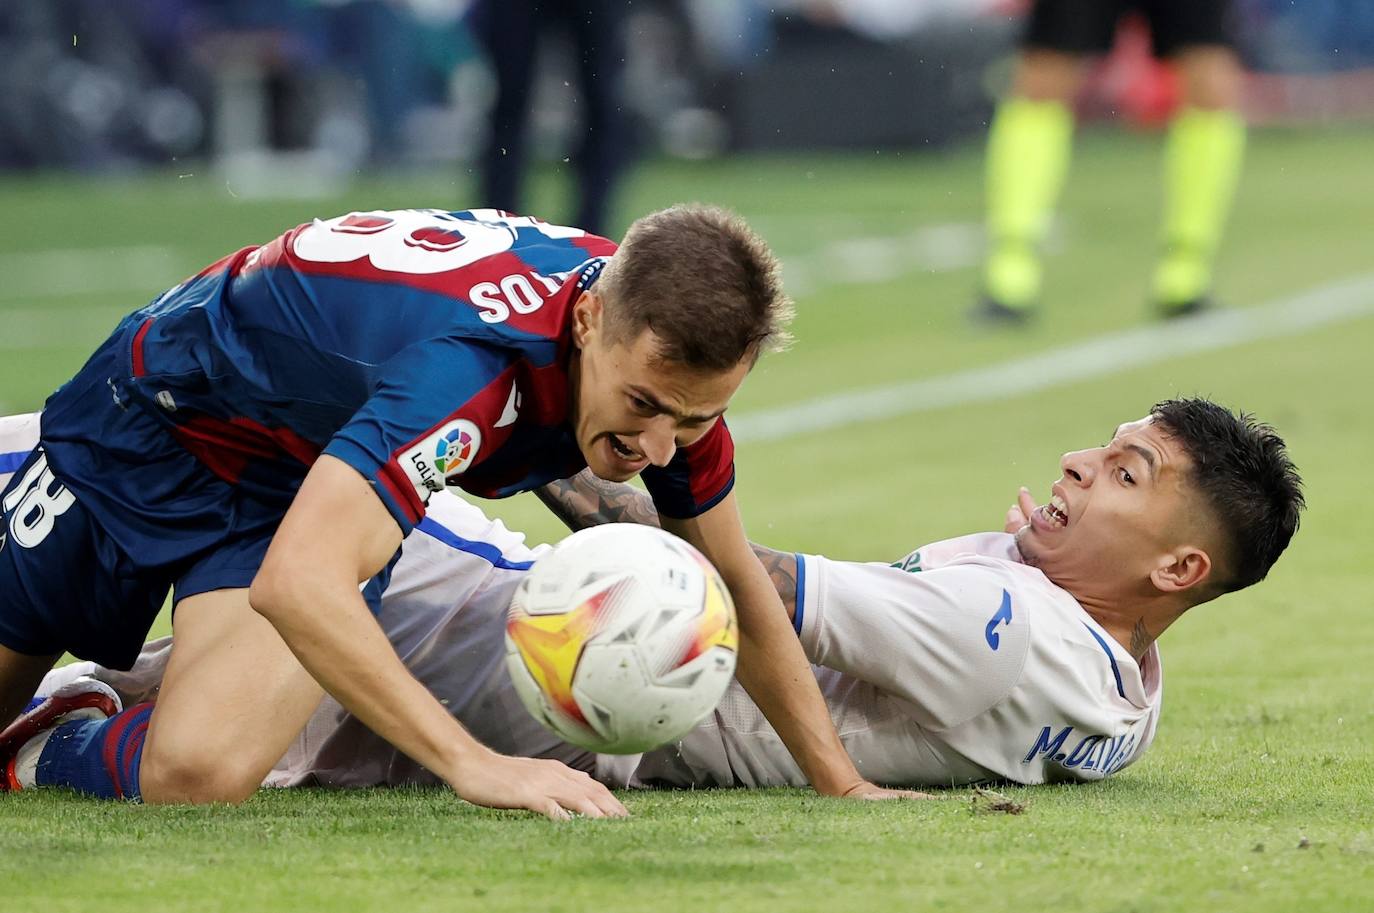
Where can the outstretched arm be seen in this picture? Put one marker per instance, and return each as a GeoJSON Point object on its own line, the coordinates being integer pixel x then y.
{"type": "Point", "coordinates": [308, 589]}
{"type": "Point", "coordinates": [586, 500]}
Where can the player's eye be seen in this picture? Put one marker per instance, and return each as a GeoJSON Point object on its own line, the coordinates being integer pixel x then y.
{"type": "Point", "coordinates": [642, 405]}
{"type": "Point", "coordinates": [1127, 477]}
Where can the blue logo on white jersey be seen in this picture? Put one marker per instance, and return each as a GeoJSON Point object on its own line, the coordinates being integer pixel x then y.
{"type": "Point", "coordinates": [1003, 614]}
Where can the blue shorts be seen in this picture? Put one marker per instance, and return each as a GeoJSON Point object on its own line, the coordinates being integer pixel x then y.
{"type": "Point", "coordinates": [110, 513]}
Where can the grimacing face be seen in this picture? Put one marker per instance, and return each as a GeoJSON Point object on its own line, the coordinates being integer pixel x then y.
{"type": "Point", "coordinates": [630, 409]}
{"type": "Point", "coordinates": [1123, 519]}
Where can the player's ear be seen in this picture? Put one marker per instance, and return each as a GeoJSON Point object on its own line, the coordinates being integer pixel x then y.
{"type": "Point", "coordinates": [1182, 569]}
{"type": "Point", "coordinates": [587, 315]}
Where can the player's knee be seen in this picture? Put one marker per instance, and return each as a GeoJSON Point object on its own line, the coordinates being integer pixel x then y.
{"type": "Point", "coordinates": [196, 777]}
{"type": "Point", "coordinates": [1045, 75]}
{"type": "Point", "coordinates": [1212, 78]}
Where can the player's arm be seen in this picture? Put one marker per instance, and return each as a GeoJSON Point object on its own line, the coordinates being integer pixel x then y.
{"type": "Point", "coordinates": [587, 500]}
{"type": "Point", "coordinates": [336, 535]}
{"type": "Point", "coordinates": [772, 666]}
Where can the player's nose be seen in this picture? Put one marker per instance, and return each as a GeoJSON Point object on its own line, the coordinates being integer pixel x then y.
{"type": "Point", "coordinates": [658, 442]}
{"type": "Point", "coordinates": [1080, 466]}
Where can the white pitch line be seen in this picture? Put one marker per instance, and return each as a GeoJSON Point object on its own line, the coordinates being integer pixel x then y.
{"type": "Point", "coordinates": [53, 272]}
{"type": "Point", "coordinates": [928, 249]}
{"type": "Point", "coordinates": [1337, 302]}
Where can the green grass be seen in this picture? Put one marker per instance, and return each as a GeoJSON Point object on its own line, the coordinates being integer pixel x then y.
{"type": "Point", "coordinates": [1256, 795]}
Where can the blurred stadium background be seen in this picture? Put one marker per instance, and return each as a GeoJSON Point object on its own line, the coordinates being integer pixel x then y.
{"type": "Point", "coordinates": [141, 139]}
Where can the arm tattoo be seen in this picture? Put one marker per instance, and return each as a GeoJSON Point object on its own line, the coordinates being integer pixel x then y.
{"type": "Point", "coordinates": [1140, 639]}
{"type": "Point", "coordinates": [585, 500]}
{"type": "Point", "coordinates": [782, 570]}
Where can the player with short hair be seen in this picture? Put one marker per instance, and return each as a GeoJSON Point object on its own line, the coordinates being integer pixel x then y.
{"type": "Point", "coordinates": [1031, 135]}
{"type": "Point", "coordinates": [1026, 655]}
{"type": "Point", "coordinates": [261, 438]}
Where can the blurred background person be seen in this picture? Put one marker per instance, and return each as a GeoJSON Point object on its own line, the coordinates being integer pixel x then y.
{"type": "Point", "coordinates": [511, 32]}
{"type": "Point", "coordinates": [1029, 145]}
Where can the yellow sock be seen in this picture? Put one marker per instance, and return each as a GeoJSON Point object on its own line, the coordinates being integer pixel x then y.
{"type": "Point", "coordinates": [1027, 158]}
{"type": "Point", "coordinates": [1202, 162]}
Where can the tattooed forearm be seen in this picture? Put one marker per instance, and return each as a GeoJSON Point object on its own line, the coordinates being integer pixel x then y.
{"type": "Point", "coordinates": [1140, 639]}
{"type": "Point", "coordinates": [782, 570]}
{"type": "Point", "coordinates": [585, 500]}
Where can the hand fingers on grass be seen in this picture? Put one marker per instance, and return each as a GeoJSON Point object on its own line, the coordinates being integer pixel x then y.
{"type": "Point", "coordinates": [610, 805]}
{"type": "Point", "coordinates": [600, 798]}
{"type": "Point", "coordinates": [550, 809]}
{"type": "Point", "coordinates": [582, 805]}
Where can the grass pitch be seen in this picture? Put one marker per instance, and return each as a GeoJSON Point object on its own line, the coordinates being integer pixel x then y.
{"type": "Point", "coordinates": [1256, 794]}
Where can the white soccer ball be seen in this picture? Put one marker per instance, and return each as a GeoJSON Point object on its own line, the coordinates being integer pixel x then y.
{"type": "Point", "coordinates": [621, 639]}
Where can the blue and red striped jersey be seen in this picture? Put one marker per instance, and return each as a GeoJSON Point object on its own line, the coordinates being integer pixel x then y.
{"type": "Point", "coordinates": [424, 348]}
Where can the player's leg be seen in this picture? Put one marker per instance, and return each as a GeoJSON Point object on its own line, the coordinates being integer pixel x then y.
{"type": "Point", "coordinates": [598, 29]}
{"type": "Point", "coordinates": [1204, 149]}
{"type": "Point", "coordinates": [23, 657]}
{"type": "Point", "coordinates": [20, 675]}
{"type": "Point", "coordinates": [1027, 159]}
{"type": "Point", "coordinates": [1202, 164]}
{"type": "Point", "coordinates": [232, 700]}
{"type": "Point", "coordinates": [64, 584]}
{"type": "Point", "coordinates": [1029, 145]}
{"type": "Point", "coordinates": [508, 33]}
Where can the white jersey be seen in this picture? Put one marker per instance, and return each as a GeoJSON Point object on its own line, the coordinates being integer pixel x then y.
{"type": "Point", "coordinates": [18, 436]}
{"type": "Point", "coordinates": [956, 665]}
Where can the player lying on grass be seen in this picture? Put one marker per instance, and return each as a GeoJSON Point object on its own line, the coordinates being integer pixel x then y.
{"type": "Point", "coordinates": [259, 440]}
{"type": "Point", "coordinates": [1026, 655]}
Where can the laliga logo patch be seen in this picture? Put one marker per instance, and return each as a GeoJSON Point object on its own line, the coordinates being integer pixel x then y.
{"type": "Point", "coordinates": [455, 450]}
{"type": "Point", "coordinates": [441, 456]}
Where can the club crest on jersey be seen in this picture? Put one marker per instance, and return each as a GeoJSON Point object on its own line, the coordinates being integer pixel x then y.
{"type": "Point", "coordinates": [446, 453]}
{"type": "Point", "coordinates": [435, 237]}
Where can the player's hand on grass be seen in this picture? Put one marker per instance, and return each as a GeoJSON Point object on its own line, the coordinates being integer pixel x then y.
{"type": "Point", "coordinates": [1019, 513]}
{"type": "Point", "coordinates": [549, 787]}
{"type": "Point", "coordinates": [874, 792]}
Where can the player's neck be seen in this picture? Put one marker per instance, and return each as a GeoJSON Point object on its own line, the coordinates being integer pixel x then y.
{"type": "Point", "coordinates": [1134, 624]}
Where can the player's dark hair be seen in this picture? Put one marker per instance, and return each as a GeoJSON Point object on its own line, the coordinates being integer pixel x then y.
{"type": "Point", "coordinates": [706, 285]}
{"type": "Point", "coordinates": [1241, 467]}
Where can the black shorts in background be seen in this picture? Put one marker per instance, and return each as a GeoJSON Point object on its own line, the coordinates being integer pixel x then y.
{"type": "Point", "coordinates": [1088, 26]}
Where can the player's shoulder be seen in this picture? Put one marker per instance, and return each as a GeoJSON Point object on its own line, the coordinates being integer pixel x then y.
{"type": "Point", "coordinates": [937, 554]}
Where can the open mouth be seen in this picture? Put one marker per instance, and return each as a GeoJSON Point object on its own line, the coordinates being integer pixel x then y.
{"type": "Point", "coordinates": [619, 449]}
{"type": "Point", "coordinates": [1055, 513]}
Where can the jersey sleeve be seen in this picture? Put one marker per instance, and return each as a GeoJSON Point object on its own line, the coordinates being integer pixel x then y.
{"type": "Point", "coordinates": [696, 478]}
{"type": "Point", "coordinates": [949, 642]}
{"type": "Point", "coordinates": [433, 416]}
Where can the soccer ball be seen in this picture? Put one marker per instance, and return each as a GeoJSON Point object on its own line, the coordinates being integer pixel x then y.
{"type": "Point", "coordinates": [621, 638]}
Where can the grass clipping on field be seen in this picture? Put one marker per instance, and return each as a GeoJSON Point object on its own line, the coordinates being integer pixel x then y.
{"type": "Point", "coordinates": [988, 802]}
